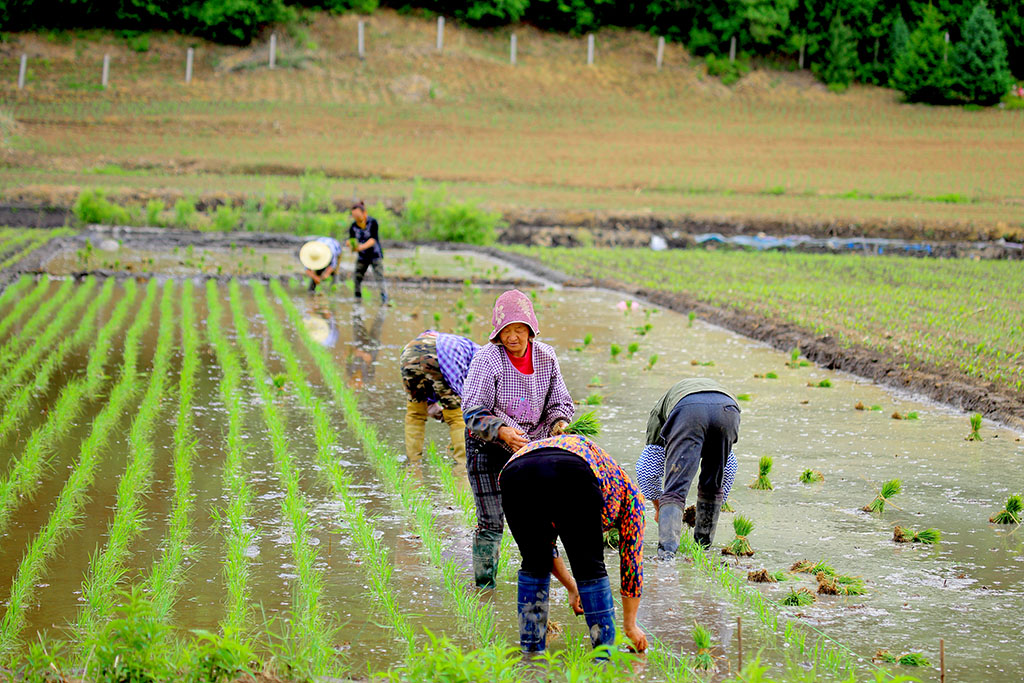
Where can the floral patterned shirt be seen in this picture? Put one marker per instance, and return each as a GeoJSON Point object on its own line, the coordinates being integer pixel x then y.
{"type": "Point", "coordinates": [623, 504]}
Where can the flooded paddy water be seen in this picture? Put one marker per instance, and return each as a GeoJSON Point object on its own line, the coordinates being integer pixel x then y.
{"type": "Point", "coordinates": [966, 590]}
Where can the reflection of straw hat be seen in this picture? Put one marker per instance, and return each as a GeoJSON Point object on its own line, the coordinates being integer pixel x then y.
{"type": "Point", "coordinates": [315, 255]}
{"type": "Point", "coordinates": [317, 327]}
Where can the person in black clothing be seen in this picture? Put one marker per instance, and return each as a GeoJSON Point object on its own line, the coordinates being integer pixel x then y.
{"type": "Point", "coordinates": [364, 238]}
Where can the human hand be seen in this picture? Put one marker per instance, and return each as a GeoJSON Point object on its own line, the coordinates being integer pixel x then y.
{"type": "Point", "coordinates": [513, 438]}
{"type": "Point", "coordinates": [559, 428]}
{"type": "Point", "coordinates": [636, 636]}
{"type": "Point", "coordinates": [657, 510]}
{"type": "Point", "coordinates": [575, 602]}
{"type": "Point", "coordinates": [435, 411]}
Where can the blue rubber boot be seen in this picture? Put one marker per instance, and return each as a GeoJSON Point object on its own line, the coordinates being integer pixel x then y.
{"type": "Point", "coordinates": [599, 609]}
{"type": "Point", "coordinates": [534, 590]}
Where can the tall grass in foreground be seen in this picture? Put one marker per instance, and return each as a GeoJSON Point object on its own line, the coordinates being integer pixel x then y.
{"type": "Point", "coordinates": [165, 577]}
{"type": "Point", "coordinates": [106, 567]}
{"type": "Point", "coordinates": [479, 619]}
{"type": "Point", "coordinates": [71, 498]}
{"type": "Point", "coordinates": [311, 622]}
{"type": "Point", "coordinates": [23, 475]}
{"type": "Point", "coordinates": [239, 493]}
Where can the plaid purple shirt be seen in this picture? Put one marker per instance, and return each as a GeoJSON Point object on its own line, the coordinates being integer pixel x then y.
{"type": "Point", "coordinates": [532, 403]}
{"type": "Point", "coordinates": [454, 354]}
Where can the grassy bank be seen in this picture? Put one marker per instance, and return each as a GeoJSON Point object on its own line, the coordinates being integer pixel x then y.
{"type": "Point", "coordinates": [550, 132]}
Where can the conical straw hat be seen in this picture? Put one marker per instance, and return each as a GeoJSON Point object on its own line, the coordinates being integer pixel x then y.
{"type": "Point", "coordinates": [315, 255]}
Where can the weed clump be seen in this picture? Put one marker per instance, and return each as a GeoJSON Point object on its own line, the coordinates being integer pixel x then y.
{"type": "Point", "coordinates": [762, 483]}
{"type": "Point", "coordinates": [810, 476]}
{"type": "Point", "coordinates": [586, 424]}
{"type": "Point", "coordinates": [889, 489]}
{"type": "Point", "coordinates": [798, 597]}
{"type": "Point", "coordinates": [975, 434]}
{"type": "Point", "coordinates": [1011, 513]}
{"type": "Point", "coordinates": [740, 546]}
{"type": "Point", "coordinates": [927, 536]}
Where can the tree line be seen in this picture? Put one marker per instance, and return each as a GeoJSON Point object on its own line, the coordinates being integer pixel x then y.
{"type": "Point", "coordinates": [883, 42]}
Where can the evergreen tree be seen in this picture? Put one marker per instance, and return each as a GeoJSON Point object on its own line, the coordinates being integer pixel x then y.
{"type": "Point", "coordinates": [840, 56]}
{"type": "Point", "coordinates": [980, 70]}
{"type": "Point", "coordinates": [922, 71]}
{"type": "Point", "coordinates": [899, 36]}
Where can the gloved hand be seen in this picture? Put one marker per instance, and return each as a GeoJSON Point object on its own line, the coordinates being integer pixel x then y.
{"type": "Point", "coordinates": [559, 428]}
{"type": "Point", "coordinates": [435, 411]}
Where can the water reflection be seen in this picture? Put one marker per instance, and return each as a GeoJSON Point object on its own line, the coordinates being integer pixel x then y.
{"type": "Point", "coordinates": [361, 363]}
{"type": "Point", "coordinates": [320, 324]}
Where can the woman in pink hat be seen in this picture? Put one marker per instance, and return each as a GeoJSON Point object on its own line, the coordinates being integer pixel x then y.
{"type": "Point", "coordinates": [513, 394]}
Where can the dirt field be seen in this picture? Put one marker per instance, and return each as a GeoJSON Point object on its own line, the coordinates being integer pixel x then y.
{"type": "Point", "coordinates": [549, 133]}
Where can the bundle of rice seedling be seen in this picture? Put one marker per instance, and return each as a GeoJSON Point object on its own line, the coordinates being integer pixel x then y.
{"type": "Point", "coordinates": [840, 584]}
{"type": "Point", "coordinates": [889, 489]}
{"type": "Point", "coordinates": [586, 424]}
{"type": "Point", "coordinates": [885, 657]}
{"type": "Point", "coordinates": [727, 508]}
{"type": "Point", "coordinates": [904, 535]}
{"type": "Point", "coordinates": [1010, 514]}
{"type": "Point", "coordinates": [702, 639]}
{"type": "Point", "coordinates": [690, 516]}
{"type": "Point", "coordinates": [740, 546]}
{"type": "Point", "coordinates": [761, 576]}
{"type": "Point", "coordinates": [913, 659]}
{"type": "Point", "coordinates": [798, 597]}
{"type": "Point", "coordinates": [764, 466]}
{"type": "Point", "coordinates": [975, 434]}
{"type": "Point", "coordinates": [810, 476]}
{"type": "Point", "coordinates": [808, 567]}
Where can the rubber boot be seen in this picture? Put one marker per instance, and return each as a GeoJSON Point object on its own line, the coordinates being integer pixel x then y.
{"type": "Point", "coordinates": [670, 529]}
{"type": "Point", "coordinates": [707, 521]}
{"type": "Point", "coordinates": [486, 546]}
{"type": "Point", "coordinates": [599, 609]}
{"type": "Point", "coordinates": [415, 428]}
{"type": "Point", "coordinates": [457, 428]}
{"type": "Point", "coordinates": [534, 590]}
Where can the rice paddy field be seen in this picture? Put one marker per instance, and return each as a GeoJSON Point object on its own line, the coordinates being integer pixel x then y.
{"type": "Point", "coordinates": [230, 449]}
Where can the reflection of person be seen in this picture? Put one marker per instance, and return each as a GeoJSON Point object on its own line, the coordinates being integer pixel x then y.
{"type": "Point", "coordinates": [321, 326]}
{"type": "Point", "coordinates": [434, 368]}
{"type": "Point", "coordinates": [320, 257]}
{"type": "Point", "coordinates": [364, 239]}
{"type": "Point", "coordinates": [694, 424]}
{"type": "Point", "coordinates": [567, 487]}
{"type": "Point", "coordinates": [362, 361]}
{"type": "Point", "coordinates": [514, 393]}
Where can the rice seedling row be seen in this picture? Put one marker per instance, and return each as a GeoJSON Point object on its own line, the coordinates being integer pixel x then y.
{"type": "Point", "coordinates": [40, 238]}
{"type": "Point", "coordinates": [311, 622]}
{"type": "Point", "coordinates": [376, 557]}
{"type": "Point", "coordinates": [15, 289]}
{"type": "Point", "coordinates": [107, 566]}
{"type": "Point", "coordinates": [480, 620]}
{"type": "Point", "coordinates": [24, 304]}
{"type": "Point", "coordinates": [19, 362]}
{"type": "Point", "coordinates": [22, 478]}
{"type": "Point", "coordinates": [165, 578]}
{"type": "Point", "coordinates": [13, 239]}
{"type": "Point", "coordinates": [239, 535]}
{"type": "Point", "coordinates": [41, 314]}
{"type": "Point", "coordinates": [73, 495]}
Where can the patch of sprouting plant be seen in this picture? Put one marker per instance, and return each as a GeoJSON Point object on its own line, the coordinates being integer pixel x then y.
{"type": "Point", "coordinates": [642, 330]}
{"type": "Point", "coordinates": [809, 476]}
{"type": "Point", "coordinates": [651, 361]}
{"type": "Point", "coordinates": [1011, 512]}
{"type": "Point", "coordinates": [594, 398]}
{"type": "Point", "coordinates": [927, 536]}
{"type": "Point", "coordinates": [614, 350]}
{"type": "Point", "coordinates": [632, 348]}
{"type": "Point", "coordinates": [823, 384]}
{"type": "Point", "coordinates": [889, 489]}
{"type": "Point", "coordinates": [975, 421]}
{"type": "Point", "coordinates": [705, 659]}
{"type": "Point", "coordinates": [740, 546]}
{"type": "Point", "coordinates": [764, 468]}
{"type": "Point", "coordinates": [798, 597]}
{"type": "Point", "coordinates": [742, 397]}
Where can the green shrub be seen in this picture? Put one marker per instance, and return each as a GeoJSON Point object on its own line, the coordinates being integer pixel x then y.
{"type": "Point", "coordinates": [729, 72]}
{"type": "Point", "coordinates": [980, 71]}
{"type": "Point", "coordinates": [134, 646]}
{"type": "Point", "coordinates": [92, 206]}
{"type": "Point", "coordinates": [922, 72]}
{"type": "Point", "coordinates": [226, 218]}
{"type": "Point", "coordinates": [430, 215]}
{"type": "Point", "coordinates": [185, 214]}
{"type": "Point", "coordinates": [154, 212]}
{"type": "Point", "coordinates": [215, 658]}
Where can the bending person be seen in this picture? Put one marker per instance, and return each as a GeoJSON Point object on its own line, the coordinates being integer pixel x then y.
{"type": "Point", "coordinates": [320, 257]}
{"type": "Point", "coordinates": [514, 394]}
{"type": "Point", "coordinates": [434, 368]}
{"type": "Point", "coordinates": [567, 487]}
{"type": "Point", "coordinates": [693, 426]}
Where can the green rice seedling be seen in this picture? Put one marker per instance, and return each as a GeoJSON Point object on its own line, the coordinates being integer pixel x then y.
{"type": "Point", "coordinates": [876, 408]}
{"type": "Point", "coordinates": [771, 375]}
{"type": "Point", "coordinates": [594, 399]}
{"type": "Point", "coordinates": [615, 350]}
{"type": "Point", "coordinates": [727, 507]}
{"type": "Point", "coordinates": [280, 381]}
{"type": "Point", "coordinates": [595, 381]}
{"type": "Point", "coordinates": [742, 397]}
{"type": "Point", "coordinates": [779, 575]}
{"type": "Point", "coordinates": [39, 238]}
{"type": "Point", "coordinates": [24, 305]}
{"type": "Point", "coordinates": [651, 361]}
{"type": "Point", "coordinates": [642, 330]}
{"type": "Point", "coordinates": [808, 567]}
{"type": "Point", "coordinates": [912, 415]}
{"type": "Point", "coordinates": [824, 384]}
{"type": "Point", "coordinates": [975, 434]}
{"type": "Point", "coordinates": [764, 467]}
{"type": "Point", "coordinates": [72, 496]}
{"type": "Point", "coordinates": [810, 476]}
{"type": "Point", "coordinates": [45, 661]}
{"type": "Point", "coordinates": [840, 584]}
{"type": "Point", "coordinates": [131, 647]}
{"type": "Point", "coordinates": [588, 339]}
{"type": "Point", "coordinates": [702, 639]}
{"type": "Point", "coordinates": [891, 488]}
{"type": "Point", "coordinates": [913, 659]}
{"type": "Point", "coordinates": [586, 424]}
{"type": "Point", "coordinates": [633, 348]}
{"type": "Point", "coordinates": [216, 658]}
{"type": "Point", "coordinates": [927, 536]}
{"type": "Point", "coordinates": [794, 356]}
{"type": "Point", "coordinates": [690, 317]}
{"type": "Point", "coordinates": [1011, 512]}
{"type": "Point", "coordinates": [798, 597]}
{"type": "Point", "coordinates": [740, 546]}
{"type": "Point", "coordinates": [885, 657]}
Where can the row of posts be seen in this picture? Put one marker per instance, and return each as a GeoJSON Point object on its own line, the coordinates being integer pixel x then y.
{"type": "Point", "coordinates": [361, 47]}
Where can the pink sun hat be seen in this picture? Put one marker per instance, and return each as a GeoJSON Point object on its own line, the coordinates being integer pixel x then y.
{"type": "Point", "coordinates": [513, 307]}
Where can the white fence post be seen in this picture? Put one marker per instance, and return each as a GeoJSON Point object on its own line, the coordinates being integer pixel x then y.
{"type": "Point", "coordinates": [732, 49]}
{"type": "Point", "coordinates": [801, 55]}
{"type": "Point", "coordinates": [590, 49]}
{"type": "Point", "coordinates": [440, 34]}
{"type": "Point", "coordinates": [362, 39]}
{"type": "Point", "coordinates": [106, 70]}
{"type": "Point", "coordinates": [512, 49]}
{"type": "Point", "coordinates": [945, 49]}
{"type": "Point", "coordinates": [661, 51]}
{"type": "Point", "coordinates": [22, 69]}
{"type": "Point", "coordinates": [189, 59]}
{"type": "Point", "coordinates": [273, 51]}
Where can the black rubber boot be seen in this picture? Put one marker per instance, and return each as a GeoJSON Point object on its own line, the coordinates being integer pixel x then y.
{"type": "Point", "coordinates": [670, 529]}
{"type": "Point", "coordinates": [707, 521]}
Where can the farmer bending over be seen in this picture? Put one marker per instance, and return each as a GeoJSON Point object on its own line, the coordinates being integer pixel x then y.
{"type": "Point", "coordinates": [434, 367]}
{"type": "Point", "coordinates": [320, 257]}
{"type": "Point", "coordinates": [694, 425]}
{"type": "Point", "coordinates": [364, 239]}
{"type": "Point", "coordinates": [567, 487]}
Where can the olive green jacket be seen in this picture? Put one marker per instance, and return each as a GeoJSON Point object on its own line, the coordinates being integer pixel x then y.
{"type": "Point", "coordinates": [661, 410]}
